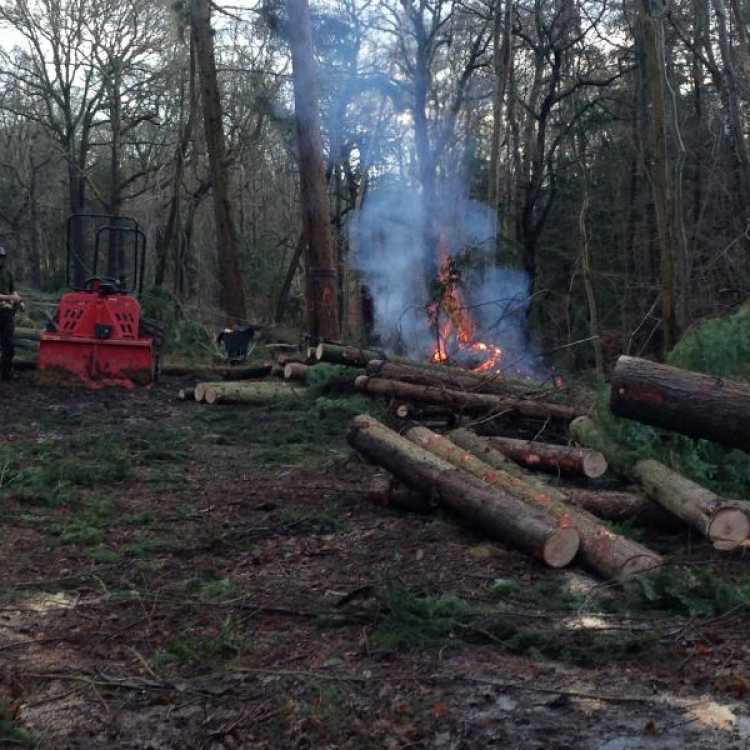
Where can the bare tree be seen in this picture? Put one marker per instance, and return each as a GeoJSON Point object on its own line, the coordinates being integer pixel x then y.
{"type": "Point", "coordinates": [230, 277]}
{"type": "Point", "coordinates": [322, 287]}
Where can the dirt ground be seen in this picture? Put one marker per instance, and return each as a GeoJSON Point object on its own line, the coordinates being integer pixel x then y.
{"type": "Point", "coordinates": [177, 576]}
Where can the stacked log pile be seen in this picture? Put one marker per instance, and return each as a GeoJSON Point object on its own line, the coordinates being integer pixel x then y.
{"type": "Point", "coordinates": [693, 404]}
{"type": "Point", "coordinates": [528, 493]}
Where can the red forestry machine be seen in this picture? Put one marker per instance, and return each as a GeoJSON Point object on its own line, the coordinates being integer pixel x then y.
{"type": "Point", "coordinates": [97, 336]}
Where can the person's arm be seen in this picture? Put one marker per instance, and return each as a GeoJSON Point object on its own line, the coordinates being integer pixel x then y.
{"type": "Point", "coordinates": [14, 296]}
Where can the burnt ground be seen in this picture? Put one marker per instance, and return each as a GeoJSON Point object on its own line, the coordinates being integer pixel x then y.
{"type": "Point", "coordinates": [180, 576]}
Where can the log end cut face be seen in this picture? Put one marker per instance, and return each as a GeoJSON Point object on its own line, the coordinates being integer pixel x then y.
{"type": "Point", "coordinates": [561, 547]}
{"type": "Point", "coordinates": [594, 464]}
{"type": "Point", "coordinates": [728, 528]}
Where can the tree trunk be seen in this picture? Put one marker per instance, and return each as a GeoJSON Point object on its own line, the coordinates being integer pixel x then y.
{"type": "Point", "coordinates": [167, 235]}
{"type": "Point", "coordinates": [323, 306]}
{"type": "Point", "coordinates": [289, 278]}
{"type": "Point", "coordinates": [552, 459]}
{"type": "Point", "coordinates": [35, 263]}
{"type": "Point", "coordinates": [460, 400]}
{"type": "Point", "coordinates": [652, 34]}
{"type": "Point", "coordinates": [584, 240]}
{"type": "Point", "coordinates": [609, 554]}
{"type": "Point", "coordinates": [702, 406]}
{"type": "Point", "coordinates": [496, 513]}
{"type": "Point", "coordinates": [230, 275]}
{"type": "Point", "coordinates": [737, 125]}
{"type": "Point", "coordinates": [502, 51]}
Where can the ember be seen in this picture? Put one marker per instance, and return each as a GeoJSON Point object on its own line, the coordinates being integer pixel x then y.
{"type": "Point", "coordinates": [453, 324]}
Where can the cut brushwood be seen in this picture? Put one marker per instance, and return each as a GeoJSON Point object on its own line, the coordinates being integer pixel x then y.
{"type": "Point", "coordinates": [725, 522]}
{"type": "Point", "coordinates": [248, 393]}
{"type": "Point", "coordinates": [702, 406]}
{"type": "Point", "coordinates": [497, 513]}
{"type": "Point", "coordinates": [217, 373]}
{"type": "Point", "coordinates": [610, 555]}
{"type": "Point", "coordinates": [552, 459]}
{"type": "Point", "coordinates": [461, 400]}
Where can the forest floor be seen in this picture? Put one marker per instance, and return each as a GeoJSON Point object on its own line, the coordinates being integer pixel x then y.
{"type": "Point", "coordinates": [179, 576]}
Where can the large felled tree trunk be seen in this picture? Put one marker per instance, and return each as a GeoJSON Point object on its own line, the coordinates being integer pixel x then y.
{"type": "Point", "coordinates": [694, 404]}
{"type": "Point", "coordinates": [461, 400]}
{"type": "Point", "coordinates": [322, 289]}
{"type": "Point", "coordinates": [230, 277]}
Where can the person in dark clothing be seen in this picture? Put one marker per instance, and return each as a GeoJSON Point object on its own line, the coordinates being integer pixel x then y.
{"type": "Point", "coordinates": [9, 301]}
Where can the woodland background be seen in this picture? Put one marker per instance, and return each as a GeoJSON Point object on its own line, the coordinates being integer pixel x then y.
{"type": "Point", "coordinates": [607, 141]}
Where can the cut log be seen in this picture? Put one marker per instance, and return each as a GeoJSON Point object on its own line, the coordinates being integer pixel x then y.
{"type": "Point", "coordinates": [724, 521]}
{"type": "Point", "coordinates": [186, 394]}
{"type": "Point", "coordinates": [619, 506]}
{"type": "Point", "coordinates": [346, 355]}
{"type": "Point", "coordinates": [217, 373]}
{"type": "Point", "coordinates": [702, 406]}
{"type": "Point", "coordinates": [249, 393]}
{"type": "Point", "coordinates": [552, 459]}
{"type": "Point", "coordinates": [585, 432]}
{"type": "Point", "coordinates": [460, 400]}
{"type": "Point", "coordinates": [284, 359]}
{"type": "Point", "coordinates": [199, 392]}
{"type": "Point", "coordinates": [27, 334]}
{"type": "Point", "coordinates": [439, 375]}
{"type": "Point", "coordinates": [295, 371]}
{"type": "Point", "coordinates": [610, 555]}
{"type": "Point", "coordinates": [498, 514]}
{"type": "Point", "coordinates": [277, 371]}
{"type": "Point", "coordinates": [725, 524]}
{"type": "Point", "coordinates": [404, 411]}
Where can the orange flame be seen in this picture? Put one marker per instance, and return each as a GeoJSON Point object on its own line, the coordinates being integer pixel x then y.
{"type": "Point", "coordinates": [456, 333]}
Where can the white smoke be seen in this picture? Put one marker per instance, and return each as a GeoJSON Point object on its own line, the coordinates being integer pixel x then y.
{"type": "Point", "coordinates": [392, 255]}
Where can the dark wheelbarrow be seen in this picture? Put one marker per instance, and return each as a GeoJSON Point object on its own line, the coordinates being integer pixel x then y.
{"type": "Point", "coordinates": [238, 342]}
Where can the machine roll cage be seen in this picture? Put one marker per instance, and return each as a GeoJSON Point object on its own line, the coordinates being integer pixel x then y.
{"type": "Point", "coordinates": [127, 228]}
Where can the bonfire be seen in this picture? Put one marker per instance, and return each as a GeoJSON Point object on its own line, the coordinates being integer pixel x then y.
{"type": "Point", "coordinates": [453, 324]}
